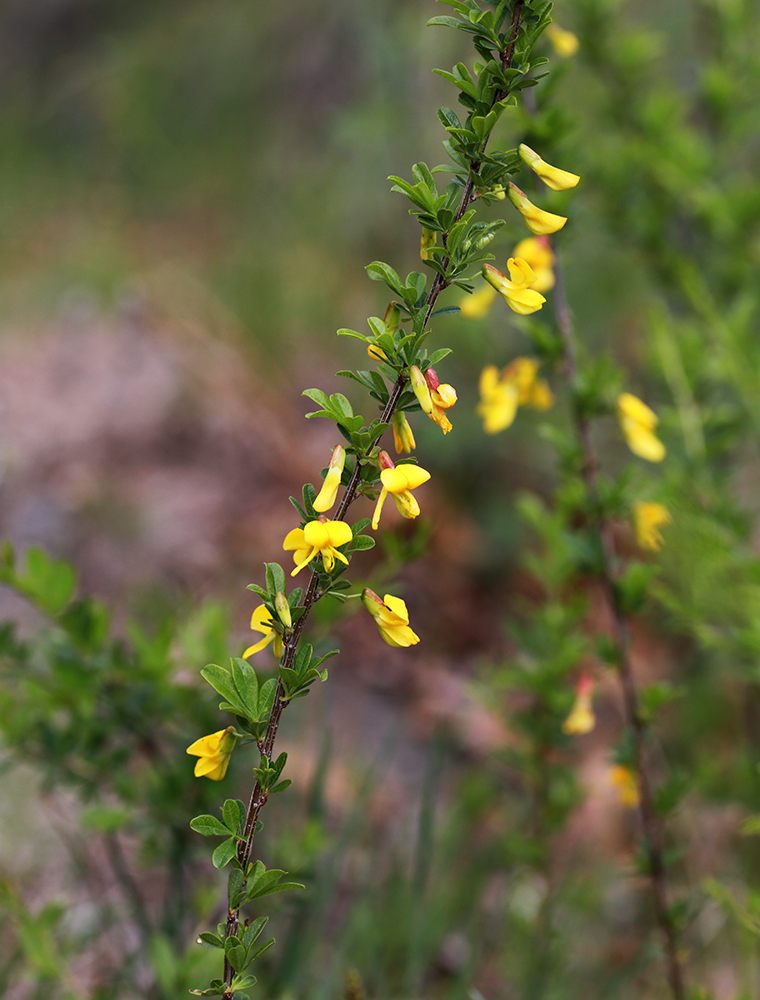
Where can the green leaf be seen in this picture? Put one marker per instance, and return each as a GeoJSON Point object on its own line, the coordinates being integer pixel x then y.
{"type": "Point", "coordinates": [253, 931]}
{"type": "Point", "coordinates": [209, 826]}
{"type": "Point", "coordinates": [221, 681]}
{"type": "Point", "coordinates": [280, 786]}
{"type": "Point", "coordinates": [353, 333]}
{"type": "Point", "coordinates": [449, 22]}
{"type": "Point", "coordinates": [236, 956]}
{"type": "Point", "coordinates": [212, 940]}
{"type": "Point", "coordinates": [231, 815]}
{"type": "Point", "coordinates": [379, 271]}
{"type": "Point", "coordinates": [361, 542]}
{"type": "Point", "coordinates": [247, 684]}
{"type": "Point", "coordinates": [235, 883]}
{"type": "Point", "coordinates": [440, 354]}
{"type": "Point", "coordinates": [224, 853]}
{"type": "Point", "coordinates": [275, 576]}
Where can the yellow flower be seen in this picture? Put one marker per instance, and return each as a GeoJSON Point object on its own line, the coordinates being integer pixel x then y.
{"type": "Point", "coordinates": [478, 304]}
{"type": "Point", "coordinates": [647, 519]}
{"type": "Point", "coordinates": [319, 537]}
{"type": "Point", "coordinates": [581, 719]}
{"type": "Point", "coordinates": [638, 423]}
{"type": "Point", "coordinates": [329, 490]}
{"type": "Point", "coordinates": [500, 395]}
{"type": "Point", "coordinates": [399, 481]}
{"type": "Point", "coordinates": [518, 292]}
{"type": "Point", "coordinates": [536, 251]}
{"type": "Point", "coordinates": [553, 177]}
{"type": "Point", "coordinates": [627, 785]}
{"type": "Point", "coordinates": [442, 396]}
{"type": "Point", "coordinates": [433, 396]}
{"type": "Point", "coordinates": [498, 401]}
{"type": "Point", "coordinates": [536, 219]}
{"type": "Point", "coordinates": [261, 621]}
{"type": "Point", "coordinates": [565, 42]}
{"type": "Point", "coordinates": [402, 434]}
{"type": "Point", "coordinates": [214, 753]}
{"type": "Point", "coordinates": [391, 617]}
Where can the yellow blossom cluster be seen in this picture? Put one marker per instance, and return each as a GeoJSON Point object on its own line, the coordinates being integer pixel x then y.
{"type": "Point", "coordinates": [501, 394]}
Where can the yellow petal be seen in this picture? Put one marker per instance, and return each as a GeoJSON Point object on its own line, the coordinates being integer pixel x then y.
{"type": "Point", "coordinates": [207, 746]}
{"type": "Point", "coordinates": [329, 491]}
{"type": "Point", "coordinates": [259, 645]}
{"type": "Point", "coordinates": [379, 508]}
{"type": "Point", "coordinates": [631, 406]}
{"type": "Point", "coordinates": [414, 475]}
{"type": "Point", "coordinates": [294, 540]}
{"type": "Point", "coordinates": [338, 532]}
{"type": "Point", "coordinates": [553, 177]}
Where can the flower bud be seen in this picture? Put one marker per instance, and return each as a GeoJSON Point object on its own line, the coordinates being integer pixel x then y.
{"type": "Point", "coordinates": [536, 219]}
{"type": "Point", "coordinates": [385, 461]}
{"type": "Point", "coordinates": [283, 609]}
{"type": "Point", "coordinates": [376, 353]}
{"type": "Point", "coordinates": [421, 390]}
{"type": "Point", "coordinates": [402, 433]}
{"type": "Point", "coordinates": [428, 239]}
{"type": "Point", "coordinates": [392, 318]}
{"type": "Point", "coordinates": [329, 490]}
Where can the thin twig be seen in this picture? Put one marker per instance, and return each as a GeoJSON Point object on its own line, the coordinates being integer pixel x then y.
{"type": "Point", "coordinates": [650, 822]}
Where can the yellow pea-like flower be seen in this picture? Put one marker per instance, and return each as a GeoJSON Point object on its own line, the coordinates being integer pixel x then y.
{"type": "Point", "coordinates": [638, 422]}
{"type": "Point", "coordinates": [536, 219]}
{"type": "Point", "coordinates": [647, 519]}
{"type": "Point", "coordinates": [399, 481]}
{"type": "Point", "coordinates": [517, 290]}
{"type": "Point", "coordinates": [261, 621]}
{"type": "Point", "coordinates": [391, 618]}
{"type": "Point", "coordinates": [320, 537]}
{"type": "Point", "coordinates": [213, 753]}
{"type": "Point", "coordinates": [553, 177]}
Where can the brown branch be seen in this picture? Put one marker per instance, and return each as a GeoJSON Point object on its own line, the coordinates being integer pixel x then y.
{"type": "Point", "coordinates": [650, 821]}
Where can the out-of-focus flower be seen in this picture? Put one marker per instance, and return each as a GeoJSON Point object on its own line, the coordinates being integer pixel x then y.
{"type": "Point", "coordinates": [518, 292]}
{"type": "Point", "coordinates": [402, 433]}
{"type": "Point", "coordinates": [518, 385]}
{"type": "Point", "coordinates": [647, 518]}
{"type": "Point", "coordinates": [478, 304]}
{"type": "Point", "coordinates": [498, 401]}
{"type": "Point", "coordinates": [428, 239]}
{"type": "Point", "coordinates": [320, 537]}
{"type": "Point", "coordinates": [638, 423]}
{"type": "Point", "coordinates": [627, 785]}
{"type": "Point", "coordinates": [213, 753]}
{"type": "Point", "coordinates": [329, 490]}
{"type": "Point", "coordinates": [553, 177]}
{"type": "Point", "coordinates": [565, 42]}
{"type": "Point", "coordinates": [581, 719]}
{"type": "Point", "coordinates": [536, 251]}
{"type": "Point", "coordinates": [536, 219]}
{"type": "Point", "coordinates": [261, 621]}
{"type": "Point", "coordinates": [391, 617]}
{"type": "Point", "coordinates": [399, 481]}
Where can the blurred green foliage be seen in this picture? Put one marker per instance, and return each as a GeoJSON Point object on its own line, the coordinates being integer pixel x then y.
{"type": "Point", "coordinates": [248, 145]}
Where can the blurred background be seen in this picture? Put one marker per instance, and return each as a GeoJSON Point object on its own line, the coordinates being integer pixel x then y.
{"type": "Point", "coordinates": [190, 192]}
